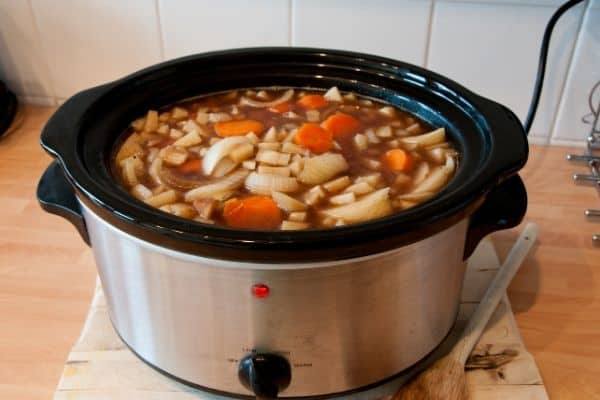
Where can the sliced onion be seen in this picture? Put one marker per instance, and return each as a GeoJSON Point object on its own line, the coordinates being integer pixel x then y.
{"type": "Point", "coordinates": [266, 183]}
{"type": "Point", "coordinates": [427, 139]}
{"type": "Point", "coordinates": [215, 189]}
{"type": "Point", "coordinates": [371, 206]}
{"type": "Point", "coordinates": [262, 104]}
{"type": "Point", "coordinates": [437, 178]}
{"type": "Point", "coordinates": [179, 182]}
{"type": "Point", "coordinates": [321, 168]}
{"type": "Point", "coordinates": [219, 150]}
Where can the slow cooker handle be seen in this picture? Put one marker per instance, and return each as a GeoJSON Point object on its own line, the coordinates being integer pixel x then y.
{"type": "Point", "coordinates": [503, 208]}
{"type": "Point", "coordinates": [56, 196]}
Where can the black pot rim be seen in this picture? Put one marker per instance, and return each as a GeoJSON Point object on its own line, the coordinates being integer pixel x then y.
{"type": "Point", "coordinates": [489, 135]}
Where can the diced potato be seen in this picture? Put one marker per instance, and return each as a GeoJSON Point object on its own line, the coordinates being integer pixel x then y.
{"type": "Point", "coordinates": [183, 210]}
{"type": "Point", "coordinates": [313, 115]}
{"type": "Point", "coordinates": [138, 124]}
{"type": "Point", "coordinates": [371, 164]}
{"type": "Point", "coordinates": [164, 116]}
{"type": "Point", "coordinates": [296, 167]}
{"type": "Point", "coordinates": [249, 165]}
{"type": "Point", "coordinates": [388, 111]}
{"type": "Point", "coordinates": [179, 113]}
{"type": "Point", "coordinates": [314, 195]}
{"type": "Point", "coordinates": [360, 188]}
{"type": "Point", "coordinates": [361, 142]}
{"type": "Point", "coordinates": [372, 137]}
{"type": "Point", "coordinates": [299, 216]}
{"type": "Point", "coordinates": [202, 117]}
{"type": "Point", "coordinates": [344, 198]}
{"type": "Point", "coordinates": [293, 225]}
{"type": "Point", "coordinates": [173, 155]}
{"type": "Point", "coordinates": [175, 134]}
{"type": "Point", "coordinates": [372, 179]}
{"type": "Point", "coordinates": [191, 126]}
{"type": "Point", "coordinates": [163, 129]}
{"type": "Point", "coordinates": [205, 207]}
{"type": "Point", "coordinates": [132, 145]}
{"type": "Point", "coordinates": [151, 121]}
{"type": "Point", "coordinates": [272, 157]}
{"type": "Point", "coordinates": [337, 184]}
{"type": "Point", "coordinates": [384, 132]}
{"type": "Point", "coordinates": [414, 129]}
{"type": "Point", "coordinates": [293, 148]}
{"type": "Point", "coordinates": [394, 144]}
{"type": "Point", "coordinates": [269, 146]}
{"type": "Point", "coordinates": [241, 152]}
{"type": "Point", "coordinates": [288, 203]}
{"type": "Point", "coordinates": [270, 135]}
{"type": "Point", "coordinates": [333, 94]}
{"type": "Point", "coordinates": [265, 169]}
{"type": "Point", "coordinates": [253, 138]}
{"type": "Point", "coordinates": [141, 192]}
{"type": "Point", "coordinates": [219, 117]}
{"type": "Point", "coordinates": [190, 139]}
{"type": "Point", "coordinates": [159, 200]}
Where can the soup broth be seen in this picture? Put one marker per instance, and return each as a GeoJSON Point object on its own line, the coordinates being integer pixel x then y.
{"type": "Point", "coordinates": [280, 158]}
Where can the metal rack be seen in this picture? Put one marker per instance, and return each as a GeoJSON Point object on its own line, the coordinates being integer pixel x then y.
{"type": "Point", "coordinates": [591, 156]}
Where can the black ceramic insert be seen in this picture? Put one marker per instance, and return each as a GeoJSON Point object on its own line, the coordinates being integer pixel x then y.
{"type": "Point", "coordinates": [82, 133]}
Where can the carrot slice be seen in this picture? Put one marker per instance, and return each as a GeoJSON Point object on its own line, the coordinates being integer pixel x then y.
{"type": "Point", "coordinates": [281, 107]}
{"type": "Point", "coordinates": [254, 212]}
{"type": "Point", "coordinates": [341, 125]}
{"type": "Point", "coordinates": [190, 166]}
{"type": "Point", "coordinates": [312, 101]}
{"type": "Point", "coordinates": [239, 127]}
{"type": "Point", "coordinates": [314, 138]}
{"type": "Point", "coordinates": [397, 160]}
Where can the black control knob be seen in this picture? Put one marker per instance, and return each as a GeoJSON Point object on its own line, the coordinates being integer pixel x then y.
{"type": "Point", "coordinates": [265, 374]}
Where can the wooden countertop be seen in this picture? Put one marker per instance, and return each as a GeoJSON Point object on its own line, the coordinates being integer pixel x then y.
{"type": "Point", "coordinates": [47, 275]}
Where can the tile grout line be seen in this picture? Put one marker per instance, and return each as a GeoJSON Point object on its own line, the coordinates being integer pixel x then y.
{"type": "Point", "coordinates": [428, 39]}
{"type": "Point", "coordinates": [290, 22]}
{"type": "Point", "coordinates": [46, 64]}
{"type": "Point", "coordinates": [161, 39]}
{"type": "Point", "coordinates": [568, 76]}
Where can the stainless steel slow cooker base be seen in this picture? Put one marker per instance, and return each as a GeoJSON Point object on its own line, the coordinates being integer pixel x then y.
{"type": "Point", "coordinates": [341, 325]}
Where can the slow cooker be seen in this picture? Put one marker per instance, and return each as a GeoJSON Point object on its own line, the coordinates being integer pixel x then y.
{"type": "Point", "coordinates": [283, 313]}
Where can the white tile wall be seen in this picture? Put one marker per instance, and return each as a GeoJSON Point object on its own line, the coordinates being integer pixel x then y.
{"type": "Point", "coordinates": [493, 49]}
{"type": "Point", "coordinates": [584, 74]}
{"type": "Point", "coordinates": [90, 42]}
{"type": "Point", "coordinates": [51, 49]}
{"type": "Point", "coordinates": [396, 29]}
{"type": "Point", "coordinates": [193, 26]}
{"type": "Point", "coordinates": [21, 62]}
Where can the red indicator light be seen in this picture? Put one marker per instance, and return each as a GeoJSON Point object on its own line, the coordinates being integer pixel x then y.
{"type": "Point", "coordinates": [261, 291]}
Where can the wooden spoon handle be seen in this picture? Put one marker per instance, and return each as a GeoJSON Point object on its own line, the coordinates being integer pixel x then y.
{"type": "Point", "coordinates": [494, 293]}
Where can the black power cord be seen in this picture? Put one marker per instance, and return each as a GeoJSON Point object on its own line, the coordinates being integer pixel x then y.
{"type": "Point", "coordinates": [541, 72]}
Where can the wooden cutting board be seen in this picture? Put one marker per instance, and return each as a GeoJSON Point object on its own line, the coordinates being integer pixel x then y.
{"type": "Point", "coordinates": [100, 366]}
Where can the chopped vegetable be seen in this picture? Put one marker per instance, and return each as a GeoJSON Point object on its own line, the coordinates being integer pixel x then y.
{"type": "Point", "coordinates": [219, 150]}
{"type": "Point", "coordinates": [288, 203]}
{"type": "Point", "coordinates": [371, 206]}
{"type": "Point", "coordinates": [267, 183]}
{"type": "Point", "coordinates": [238, 127]}
{"type": "Point", "coordinates": [320, 169]}
{"type": "Point", "coordinates": [314, 138]}
{"type": "Point", "coordinates": [255, 212]}
{"type": "Point", "coordinates": [341, 125]}
{"type": "Point", "coordinates": [333, 94]}
{"type": "Point", "coordinates": [397, 160]}
{"type": "Point", "coordinates": [281, 107]}
{"type": "Point", "coordinates": [312, 101]}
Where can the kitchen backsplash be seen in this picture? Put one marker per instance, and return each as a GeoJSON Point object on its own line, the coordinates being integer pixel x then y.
{"type": "Point", "coordinates": [50, 49]}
